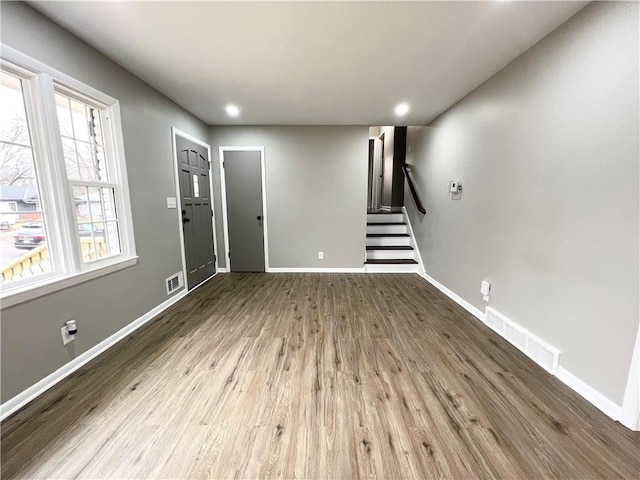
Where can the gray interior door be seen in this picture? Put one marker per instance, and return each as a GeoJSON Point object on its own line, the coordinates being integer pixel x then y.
{"type": "Point", "coordinates": [195, 196]}
{"type": "Point", "coordinates": [243, 181]}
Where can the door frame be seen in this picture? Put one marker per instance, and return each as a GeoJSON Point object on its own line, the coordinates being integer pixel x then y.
{"type": "Point", "coordinates": [175, 132]}
{"type": "Point", "coordinates": [223, 191]}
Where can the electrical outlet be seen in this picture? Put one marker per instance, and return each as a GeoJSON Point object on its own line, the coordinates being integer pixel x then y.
{"type": "Point", "coordinates": [320, 255]}
{"type": "Point", "coordinates": [455, 186]}
{"type": "Point", "coordinates": [66, 338]}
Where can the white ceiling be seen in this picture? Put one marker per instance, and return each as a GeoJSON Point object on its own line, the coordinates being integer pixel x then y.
{"type": "Point", "coordinates": [312, 62]}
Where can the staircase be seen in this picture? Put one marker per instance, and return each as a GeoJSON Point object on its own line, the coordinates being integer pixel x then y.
{"type": "Point", "coordinates": [390, 246]}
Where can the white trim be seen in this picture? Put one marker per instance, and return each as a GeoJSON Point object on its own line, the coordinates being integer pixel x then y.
{"type": "Point", "coordinates": [177, 132]}
{"type": "Point", "coordinates": [223, 188]}
{"type": "Point", "coordinates": [114, 121]}
{"type": "Point", "coordinates": [589, 393]}
{"type": "Point", "coordinates": [422, 272]}
{"type": "Point", "coordinates": [37, 389]}
{"type": "Point", "coordinates": [223, 270]}
{"type": "Point", "coordinates": [58, 282]}
{"type": "Point", "coordinates": [315, 270]}
{"type": "Point", "coordinates": [225, 224]}
{"type": "Point", "coordinates": [630, 412]}
{"type": "Point", "coordinates": [456, 298]}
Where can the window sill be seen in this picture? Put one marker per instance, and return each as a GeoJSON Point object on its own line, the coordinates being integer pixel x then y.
{"type": "Point", "coordinates": [51, 285]}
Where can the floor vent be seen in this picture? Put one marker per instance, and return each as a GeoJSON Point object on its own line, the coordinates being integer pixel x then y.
{"type": "Point", "coordinates": [539, 351]}
{"type": "Point", "coordinates": [174, 282]}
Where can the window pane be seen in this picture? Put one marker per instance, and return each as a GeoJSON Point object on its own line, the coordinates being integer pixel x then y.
{"type": "Point", "coordinates": [112, 237]}
{"type": "Point", "coordinates": [13, 118]}
{"type": "Point", "coordinates": [108, 204]}
{"type": "Point", "coordinates": [70, 157]}
{"type": "Point", "coordinates": [24, 251]}
{"type": "Point", "coordinates": [82, 135]}
{"type": "Point", "coordinates": [81, 124]}
{"type": "Point", "coordinates": [64, 116]}
{"type": "Point", "coordinates": [97, 222]}
{"type": "Point", "coordinates": [23, 245]}
{"type": "Point", "coordinates": [86, 161]}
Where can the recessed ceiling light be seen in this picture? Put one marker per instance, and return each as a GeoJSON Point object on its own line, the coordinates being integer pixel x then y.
{"type": "Point", "coordinates": [402, 109]}
{"type": "Point", "coordinates": [232, 110]}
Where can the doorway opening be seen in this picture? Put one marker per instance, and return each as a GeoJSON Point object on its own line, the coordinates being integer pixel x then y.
{"type": "Point", "coordinates": [387, 152]}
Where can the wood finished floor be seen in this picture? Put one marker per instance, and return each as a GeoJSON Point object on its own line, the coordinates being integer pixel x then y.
{"type": "Point", "coordinates": [315, 376]}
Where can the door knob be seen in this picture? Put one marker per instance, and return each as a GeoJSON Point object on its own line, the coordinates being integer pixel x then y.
{"type": "Point", "coordinates": [259, 217]}
{"type": "Point", "coordinates": [185, 220]}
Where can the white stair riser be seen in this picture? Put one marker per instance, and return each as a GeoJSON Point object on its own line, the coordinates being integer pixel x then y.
{"type": "Point", "coordinates": [410, 268]}
{"type": "Point", "coordinates": [385, 217]}
{"type": "Point", "coordinates": [386, 229]}
{"type": "Point", "coordinates": [388, 241]}
{"type": "Point", "coordinates": [386, 254]}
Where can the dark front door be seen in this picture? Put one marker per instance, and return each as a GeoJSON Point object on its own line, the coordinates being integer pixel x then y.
{"type": "Point", "coordinates": [243, 183]}
{"type": "Point", "coordinates": [195, 198]}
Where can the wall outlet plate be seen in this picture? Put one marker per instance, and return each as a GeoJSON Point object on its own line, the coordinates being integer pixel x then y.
{"type": "Point", "coordinates": [455, 186]}
{"type": "Point", "coordinates": [66, 338]}
{"type": "Point", "coordinates": [172, 202]}
{"type": "Point", "coordinates": [320, 255]}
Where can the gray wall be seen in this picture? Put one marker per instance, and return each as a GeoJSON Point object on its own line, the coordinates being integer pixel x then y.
{"type": "Point", "coordinates": [547, 151]}
{"type": "Point", "coordinates": [316, 191]}
{"type": "Point", "coordinates": [31, 343]}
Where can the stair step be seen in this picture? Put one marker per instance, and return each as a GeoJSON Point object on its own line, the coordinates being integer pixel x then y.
{"type": "Point", "coordinates": [385, 217]}
{"type": "Point", "coordinates": [384, 212]}
{"type": "Point", "coordinates": [392, 261]}
{"type": "Point", "coordinates": [385, 223]}
{"type": "Point", "coordinates": [388, 240]}
{"type": "Point", "coordinates": [389, 247]}
{"type": "Point", "coordinates": [379, 235]}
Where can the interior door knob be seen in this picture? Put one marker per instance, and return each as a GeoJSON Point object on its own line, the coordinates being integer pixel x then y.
{"type": "Point", "coordinates": [259, 217]}
{"type": "Point", "coordinates": [185, 220]}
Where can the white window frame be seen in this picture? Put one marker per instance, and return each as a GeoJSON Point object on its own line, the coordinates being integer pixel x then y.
{"type": "Point", "coordinates": [56, 192]}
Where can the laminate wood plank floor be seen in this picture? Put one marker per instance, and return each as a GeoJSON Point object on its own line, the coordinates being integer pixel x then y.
{"type": "Point", "coordinates": [315, 376]}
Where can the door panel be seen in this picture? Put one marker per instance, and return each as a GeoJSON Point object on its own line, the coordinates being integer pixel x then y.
{"type": "Point", "coordinates": [243, 181]}
{"type": "Point", "coordinates": [195, 198]}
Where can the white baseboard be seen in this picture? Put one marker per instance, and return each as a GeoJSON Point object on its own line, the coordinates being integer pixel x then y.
{"type": "Point", "coordinates": [421, 270]}
{"type": "Point", "coordinates": [630, 414]}
{"type": "Point", "coordinates": [589, 393]}
{"type": "Point", "coordinates": [223, 270]}
{"type": "Point", "coordinates": [314, 270]}
{"type": "Point", "coordinates": [23, 398]}
{"type": "Point", "coordinates": [456, 298]}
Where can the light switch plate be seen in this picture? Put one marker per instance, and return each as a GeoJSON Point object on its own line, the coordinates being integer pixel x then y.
{"type": "Point", "coordinates": [171, 202]}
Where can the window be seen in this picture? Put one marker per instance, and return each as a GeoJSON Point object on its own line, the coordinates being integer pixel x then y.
{"type": "Point", "coordinates": [86, 164]}
{"type": "Point", "coordinates": [64, 202]}
{"type": "Point", "coordinates": [18, 181]}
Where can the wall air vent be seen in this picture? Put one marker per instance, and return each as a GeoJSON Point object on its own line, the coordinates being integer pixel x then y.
{"type": "Point", "coordinates": [174, 282]}
{"type": "Point", "coordinates": [545, 355]}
